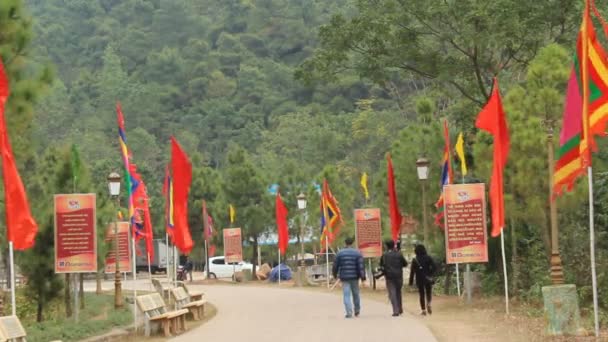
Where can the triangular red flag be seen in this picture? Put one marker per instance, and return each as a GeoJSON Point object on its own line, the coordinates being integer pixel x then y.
{"type": "Point", "coordinates": [492, 119]}
{"type": "Point", "coordinates": [281, 218]}
{"type": "Point", "coordinates": [393, 203]}
{"type": "Point", "coordinates": [21, 226]}
{"type": "Point", "coordinates": [181, 170]}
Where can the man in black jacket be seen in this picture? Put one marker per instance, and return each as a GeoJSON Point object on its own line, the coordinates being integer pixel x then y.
{"type": "Point", "coordinates": [392, 264]}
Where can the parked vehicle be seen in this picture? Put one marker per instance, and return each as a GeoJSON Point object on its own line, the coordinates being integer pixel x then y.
{"type": "Point", "coordinates": [159, 261]}
{"type": "Point", "coordinates": [218, 268]}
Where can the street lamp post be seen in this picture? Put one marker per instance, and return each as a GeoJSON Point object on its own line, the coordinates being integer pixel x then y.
{"type": "Point", "coordinates": [302, 207]}
{"type": "Point", "coordinates": [557, 273]}
{"type": "Point", "coordinates": [114, 187]}
{"type": "Point", "coordinates": [422, 166]}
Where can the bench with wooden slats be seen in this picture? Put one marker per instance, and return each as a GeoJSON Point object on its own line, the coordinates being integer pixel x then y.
{"type": "Point", "coordinates": [194, 295]}
{"type": "Point", "coordinates": [184, 301]}
{"type": "Point", "coordinates": [154, 309]}
{"type": "Point", "coordinates": [11, 329]}
{"type": "Point", "coordinates": [162, 288]}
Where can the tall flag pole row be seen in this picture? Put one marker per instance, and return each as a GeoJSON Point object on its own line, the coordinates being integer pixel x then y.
{"type": "Point", "coordinates": [585, 116]}
{"type": "Point", "coordinates": [20, 224]}
{"type": "Point", "coordinates": [492, 120]}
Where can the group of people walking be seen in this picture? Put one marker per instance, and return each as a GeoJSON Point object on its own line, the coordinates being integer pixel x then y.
{"type": "Point", "coordinates": [349, 268]}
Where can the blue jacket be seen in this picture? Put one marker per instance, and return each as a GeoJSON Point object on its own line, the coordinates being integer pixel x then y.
{"type": "Point", "coordinates": [349, 265]}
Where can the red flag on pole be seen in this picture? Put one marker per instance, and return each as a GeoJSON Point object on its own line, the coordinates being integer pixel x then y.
{"type": "Point", "coordinates": [393, 203]}
{"type": "Point", "coordinates": [492, 119]}
{"type": "Point", "coordinates": [181, 171]}
{"type": "Point", "coordinates": [21, 227]}
{"type": "Point", "coordinates": [281, 218]}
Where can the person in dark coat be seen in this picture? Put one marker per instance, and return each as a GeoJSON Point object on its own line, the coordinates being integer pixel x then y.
{"type": "Point", "coordinates": [423, 270]}
{"type": "Point", "coordinates": [392, 264]}
{"type": "Point", "coordinates": [188, 268]}
{"type": "Point", "coordinates": [348, 267]}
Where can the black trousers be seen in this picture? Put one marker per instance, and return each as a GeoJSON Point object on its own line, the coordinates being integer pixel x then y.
{"type": "Point", "coordinates": [394, 286]}
{"type": "Point", "coordinates": [426, 292]}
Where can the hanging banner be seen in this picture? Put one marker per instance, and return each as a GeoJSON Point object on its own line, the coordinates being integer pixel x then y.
{"type": "Point", "coordinates": [466, 235]}
{"type": "Point", "coordinates": [368, 232]}
{"type": "Point", "coordinates": [124, 255]}
{"type": "Point", "coordinates": [75, 233]}
{"type": "Point", "coordinates": [233, 247]}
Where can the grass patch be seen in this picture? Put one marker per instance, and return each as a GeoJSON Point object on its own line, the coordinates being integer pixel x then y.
{"type": "Point", "coordinates": [98, 317]}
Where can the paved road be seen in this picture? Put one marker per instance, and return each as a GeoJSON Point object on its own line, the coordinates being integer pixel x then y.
{"type": "Point", "coordinates": [247, 313]}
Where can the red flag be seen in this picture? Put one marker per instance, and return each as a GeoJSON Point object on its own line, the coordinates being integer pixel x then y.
{"type": "Point", "coordinates": [181, 170]}
{"type": "Point", "coordinates": [492, 119]}
{"type": "Point", "coordinates": [21, 227]}
{"type": "Point", "coordinates": [281, 218]}
{"type": "Point", "coordinates": [393, 203]}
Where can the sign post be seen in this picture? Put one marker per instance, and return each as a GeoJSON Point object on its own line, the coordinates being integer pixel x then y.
{"type": "Point", "coordinates": [465, 221]}
{"type": "Point", "coordinates": [75, 233]}
{"type": "Point", "coordinates": [124, 256]}
{"type": "Point", "coordinates": [233, 248]}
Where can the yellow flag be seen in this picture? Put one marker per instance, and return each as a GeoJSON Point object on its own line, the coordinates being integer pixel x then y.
{"type": "Point", "coordinates": [460, 152]}
{"type": "Point", "coordinates": [232, 213]}
{"type": "Point", "coordinates": [364, 184]}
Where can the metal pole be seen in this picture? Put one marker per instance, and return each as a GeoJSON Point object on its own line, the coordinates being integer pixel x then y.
{"type": "Point", "coordinates": [207, 258]}
{"type": "Point", "coordinates": [592, 252]}
{"type": "Point", "coordinates": [12, 270]}
{"type": "Point", "coordinates": [134, 282]}
{"type": "Point", "coordinates": [458, 279]}
{"type": "Point", "coordinates": [424, 218]}
{"type": "Point", "coordinates": [117, 284]}
{"type": "Point", "coordinates": [175, 264]}
{"type": "Point", "coordinates": [327, 256]}
{"type": "Point", "coordinates": [467, 284]}
{"type": "Point", "coordinates": [279, 267]}
{"type": "Point", "coordinates": [371, 272]}
{"type": "Point", "coordinates": [167, 268]}
{"type": "Point", "coordinates": [76, 294]}
{"type": "Point", "coordinates": [504, 265]}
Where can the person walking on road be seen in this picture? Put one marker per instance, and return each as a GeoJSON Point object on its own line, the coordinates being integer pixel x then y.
{"type": "Point", "coordinates": [348, 267]}
{"type": "Point", "coordinates": [392, 264]}
{"type": "Point", "coordinates": [188, 269]}
{"type": "Point", "coordinates": [423, 269]}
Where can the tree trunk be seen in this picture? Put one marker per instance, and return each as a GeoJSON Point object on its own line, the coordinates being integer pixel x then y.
{"type": "Point", "coordinates": [81, 293]}
{"type": "Point", "coordinates": [255, 258]}
{"type": "Point", "coordinates": [514, 263]}
{"type": "Point", "coordinates": [40, 308]}
{"type": "Point", "coordinates": [98, 282]}
{"type": "Point", "coordinates": [68, 296]}
{"type": "Point", "coordinates": [448, 279]}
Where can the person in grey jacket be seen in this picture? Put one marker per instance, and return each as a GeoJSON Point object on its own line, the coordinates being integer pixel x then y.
{"type": "Point", "coordinates": [348, 267]}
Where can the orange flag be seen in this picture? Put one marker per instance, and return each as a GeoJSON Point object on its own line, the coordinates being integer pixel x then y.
{"type": "Point", "coordinates": [21, 227]}
{"type": "Point", "coordinates": [181, 170]}
{"type": "Point", "coordinates": [492, 119]}
{"type": "Point", "coordinates": [281, 218]}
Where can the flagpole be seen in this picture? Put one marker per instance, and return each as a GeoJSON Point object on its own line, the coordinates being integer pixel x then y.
{"type": "Point", "coordinates": [134, 283]}
{"type": "Point", "coordinates": [504, 266]}
{"type": "Point", "coordinates": [12, 270]}
{"type": "Point", "coordinates": [150, 266]}
{"type": "Point", "coordinates": [327, 251]}
{"type": "Point", "coordinates": [167, 255]}
{"type": "Point", "coordinates": [206, 259]}
{"type": "Point", "coordinates": [279, 267]}
{"type": "Point", "coordinates": [592, 252]}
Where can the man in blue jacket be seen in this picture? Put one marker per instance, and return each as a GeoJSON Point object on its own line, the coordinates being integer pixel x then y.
{"type": "Point", "coordinates": [348, 267]}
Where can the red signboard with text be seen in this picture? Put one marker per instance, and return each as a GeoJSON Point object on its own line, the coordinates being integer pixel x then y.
{"type": "Point", "coordinates": [75, 233]}
{"type": "Point", "coordinates": [465, 221]}
{"type": "Point", "coordinates": [124, 260]}
{"type": "Point", "coordinates": [369, 232]}
{"type": "Point", "coordinates": [233, 247]}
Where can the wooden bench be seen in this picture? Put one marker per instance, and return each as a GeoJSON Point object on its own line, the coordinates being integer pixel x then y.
{"type": "Point", "coordinates": [194, 295]}
{"type": "Point", "coordinates": [154, 310]}
{"type": "Point", "coordinates": [11, 329]}
{"type": "Point", "coordinates": [184, 301]}
{"type": "Point", "coordinates": [162, 288]}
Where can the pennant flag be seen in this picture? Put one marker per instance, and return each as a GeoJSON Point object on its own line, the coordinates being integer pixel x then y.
{"type": "Point", "coordinates": [281, 218]}
{"type": "Point", "coordinates": [124, 151]}
{"type": "Point", "coordinates": [21, 226]}
{"type": "Point", "coordinates": [364, 184]}
{"type": "Point", "coordinates": [492, 119]}
{"type": "Point", "coordinates": [446, 175]}
{"type": "Point", "coordinates": [181, 171]}
{"type": "Point", "coordinates": [142, 223]}
{"type": "Point", "coordinates": [393, 203]}
{"type": "Point", "coordinates": [231, 213]}
{"type": "Point", "coordinates": [331, 218]}
{"type": "Point", "coordinates": [460, 152]}
{"type": "Point", "coordinates": [585, 110]}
